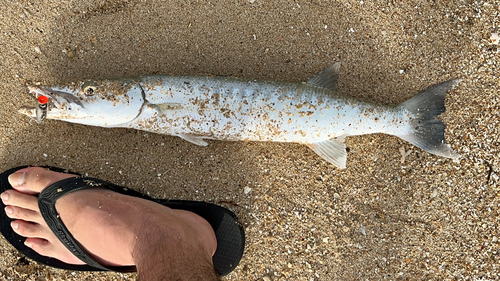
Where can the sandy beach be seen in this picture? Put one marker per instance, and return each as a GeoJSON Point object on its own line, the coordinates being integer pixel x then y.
{"type": "Point", "coordinates": [395, 213]}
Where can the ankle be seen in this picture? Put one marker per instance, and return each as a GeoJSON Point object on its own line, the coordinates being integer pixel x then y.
{"type": "Point", "coordinates": [172, 249]}
{"type": "Point", "coordinates": [200, 230]}
{"type": "Point", "coordinates": [162, 255]}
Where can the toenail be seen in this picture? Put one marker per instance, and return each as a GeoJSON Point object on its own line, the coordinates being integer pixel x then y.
{"type": "Point", "coordinates": [17, 178]}
{"type": "Point", "coordinates": [15, 225]}
{"type": "Point", "coordinates": [8, 209]}
{"type": "Point", "coordinates": [28, 244]}
{"type": "Point", "coordinates": [5, 196]}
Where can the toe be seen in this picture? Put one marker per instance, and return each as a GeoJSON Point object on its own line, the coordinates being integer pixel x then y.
{"type": "Point", "coordinates": [14, 212]}
{"type": "Point", "coordinates": [15, 198]}
{"type": "Point", "coordinates": [28, 229]}
{"type": "Point", "coordinates": [33, 180]}
{"type": "Point", "coordinates": [39, 245]}
{"type": "Point", "coordinates": [46, 248]}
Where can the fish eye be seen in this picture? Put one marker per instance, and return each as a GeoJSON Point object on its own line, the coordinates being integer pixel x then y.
{"type": "Point", "coordinates": [89, 88]}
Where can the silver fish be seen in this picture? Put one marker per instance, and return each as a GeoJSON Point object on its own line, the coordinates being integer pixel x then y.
{"type": "Point", "coordinates": [221, 108]}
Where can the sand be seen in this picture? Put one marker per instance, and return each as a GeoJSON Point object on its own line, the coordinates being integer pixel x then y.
{"type": "Point", "coordinates": [384, 217]}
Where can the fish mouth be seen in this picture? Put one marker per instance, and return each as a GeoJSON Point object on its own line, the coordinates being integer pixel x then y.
{"type": "Point", "coordinates": [112, 104]}
{"type": "Point", "coordinates": [58, 98]}
{"type": "Point", "coordinates": [28, 111]}
{"type": "Point", "coordinates": [58, 101]}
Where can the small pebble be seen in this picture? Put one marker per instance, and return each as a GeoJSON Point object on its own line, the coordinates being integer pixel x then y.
{"type": "Point", "coordinates": [434, 193]}
{"type": "Point", "coordinates": [495, 39]}
{"type": "Point", "coordinates": [247, 189]}
{"type": "Point", "coordinates": [69, 53]}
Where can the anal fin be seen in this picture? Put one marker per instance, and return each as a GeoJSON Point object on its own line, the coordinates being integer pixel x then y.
{"type": "Point", "coordinates": [332, 151]}
{"type": "Point", "coordinates": [340, 138]}
{"type": "Point", "coordinates": [198, 140]}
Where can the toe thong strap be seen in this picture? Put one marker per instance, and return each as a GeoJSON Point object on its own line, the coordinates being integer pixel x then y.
{"type": "Point", "coordinates": [47, 204]}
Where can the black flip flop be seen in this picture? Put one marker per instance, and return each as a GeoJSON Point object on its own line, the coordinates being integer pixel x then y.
{"type": "Point", "coordinates": [228, 231]}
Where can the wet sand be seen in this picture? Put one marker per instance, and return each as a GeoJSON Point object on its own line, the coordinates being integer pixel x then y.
{"type": "Point", "coordinates": [384, 217]}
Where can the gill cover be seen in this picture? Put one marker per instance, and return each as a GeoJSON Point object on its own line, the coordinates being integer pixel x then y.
{"type": "Point", "coordinates": [105, 103]}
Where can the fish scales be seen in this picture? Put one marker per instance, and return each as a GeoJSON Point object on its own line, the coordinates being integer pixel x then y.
{"type": "Point", "coordinates": [224, 108]}
{"type": "Point", "coordinates": [234, 109]}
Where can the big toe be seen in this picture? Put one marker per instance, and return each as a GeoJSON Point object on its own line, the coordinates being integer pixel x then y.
{"type": "Point", "coordinates": [33, 180]}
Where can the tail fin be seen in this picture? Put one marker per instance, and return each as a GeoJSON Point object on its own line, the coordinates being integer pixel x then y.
{"type": "Point", "coordinates": [428, 132]}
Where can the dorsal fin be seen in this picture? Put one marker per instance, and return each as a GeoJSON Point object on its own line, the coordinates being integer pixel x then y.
{"type": "Point", "coordinates": [327, 78]}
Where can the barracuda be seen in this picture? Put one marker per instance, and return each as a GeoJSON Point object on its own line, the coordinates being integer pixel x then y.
{"type": "Point", "coordinates": [200, 108]}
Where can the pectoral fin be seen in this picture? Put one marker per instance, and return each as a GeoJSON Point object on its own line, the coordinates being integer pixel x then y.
{"type": "Point", "coordinates": [332, 151]}
{"type": "Point", "coordinates": [198, 140]}
{"type": "Point", "coordinates": [327, 78]}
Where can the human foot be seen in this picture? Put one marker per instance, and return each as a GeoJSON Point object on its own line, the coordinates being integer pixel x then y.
{"type": "Point", "coordinates": [112, 227]}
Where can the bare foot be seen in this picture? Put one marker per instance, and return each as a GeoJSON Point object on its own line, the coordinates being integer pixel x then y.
{"type": "Point", "coordinates": [115, 229]}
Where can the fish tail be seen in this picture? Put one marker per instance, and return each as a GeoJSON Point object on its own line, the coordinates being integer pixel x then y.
{"type": "Point", "coordinates": [427, 131]}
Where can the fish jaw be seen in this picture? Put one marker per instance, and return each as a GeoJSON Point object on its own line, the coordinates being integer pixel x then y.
{"type": "Point", "coordinates": [109, 104]}
{"type": "Point", "coordinates": [28, 111]}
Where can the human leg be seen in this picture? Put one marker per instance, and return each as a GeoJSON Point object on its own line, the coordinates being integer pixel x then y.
{"type": "Point", "coordinates": [121, 223]}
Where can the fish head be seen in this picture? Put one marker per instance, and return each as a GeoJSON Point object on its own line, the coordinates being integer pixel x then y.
{"type": "Point", "coordinates": [105, 103]}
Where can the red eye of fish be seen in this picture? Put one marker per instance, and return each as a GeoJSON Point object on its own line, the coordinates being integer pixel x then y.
{"type": "Point", "coordinates": [43, 99]}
